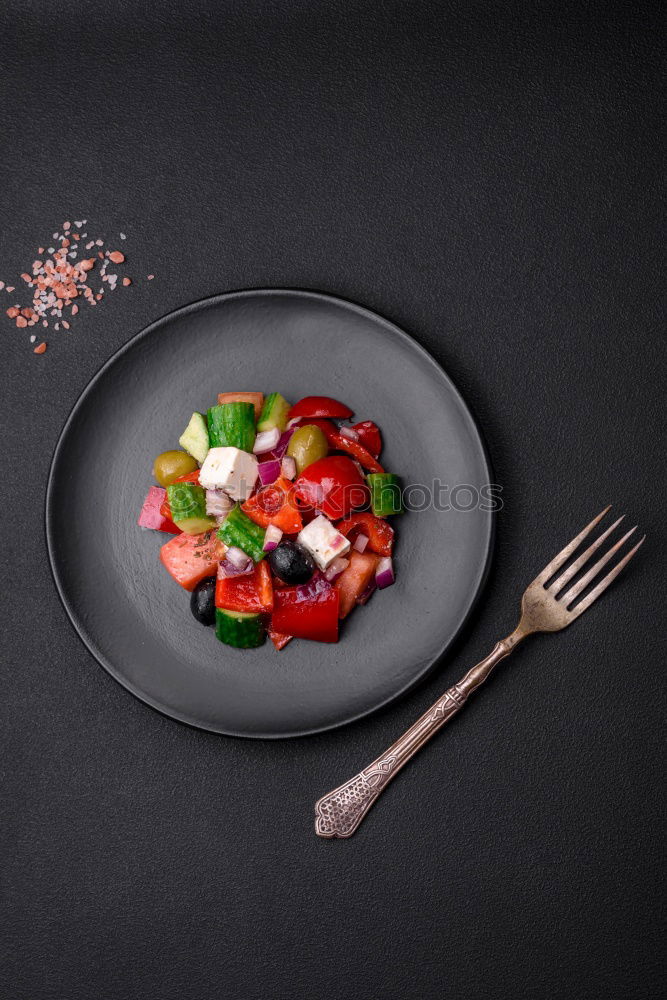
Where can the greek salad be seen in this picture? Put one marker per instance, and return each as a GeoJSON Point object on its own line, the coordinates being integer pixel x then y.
{"type": "Point", "coordinates": [279, 516]}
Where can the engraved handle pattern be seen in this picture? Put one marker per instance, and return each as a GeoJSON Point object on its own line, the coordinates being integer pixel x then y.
{"type": "Point", "coordinates": [339, 813]}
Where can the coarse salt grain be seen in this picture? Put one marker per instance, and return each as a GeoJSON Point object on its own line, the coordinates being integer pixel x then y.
{"type": "Point", "coordinates": [60, 277]}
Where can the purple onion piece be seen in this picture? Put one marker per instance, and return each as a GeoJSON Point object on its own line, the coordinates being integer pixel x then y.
{"type": "Point", "coordinates": [288, 467]}
{"type": "Point", "coordinates": [316, 585]}
{"type": "Point", "coordinates": [218, 504]}
{"type": "Point", "coordinates": [236, 556]}
{"type": "Point", "coordinates": [227, 569]}
{"type": "Point", "coordinates": [266, 441]}
{"type": "Point", "coordinates": [338, 566]}
{"type": "Point", "coordinates": [272, 538]}
{"type": "Point", "coordinates": [384, 574]}
{"type": "Point", "coordinates": [281, 447]}
{"type": "Point", "coordinates": [268, 471]}
{"type": "Point", "coordinates": [360, 543]}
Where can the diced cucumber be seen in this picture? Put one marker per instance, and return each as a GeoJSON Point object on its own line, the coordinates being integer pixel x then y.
{"type": "Point", "coordinates": [385, 490]}
{"type": "Point", "coordinates": [232, 425]}
{"type": "Point", "coordinates": [241, 629]}
{"type": "Point", "coordinates": [187, 503]}
{"type": "Point", "coordinates": [194, 438]}
{"type": "Point", "coordinates": [274, 413]}
{"type": "Point", "coordinates": [237, 529]}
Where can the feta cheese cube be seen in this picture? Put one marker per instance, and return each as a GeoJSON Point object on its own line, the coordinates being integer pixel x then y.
{"type": "Point", "coordinates": [323, 541]}
{"type": "Point", "coordinates": [231, 470]}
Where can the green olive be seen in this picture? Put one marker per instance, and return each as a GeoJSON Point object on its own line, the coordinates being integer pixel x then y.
{"type": "Point", "coordinates": [306, 446]}
{"type": "Point", "coordinates": [168, 466]}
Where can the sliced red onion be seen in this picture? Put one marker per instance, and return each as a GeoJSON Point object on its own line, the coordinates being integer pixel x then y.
{"type": "Point", "coordinates": [364, 597]}
{"type": "Point", "coordinates": [360, 470]}
{"type": "Point", "coordinates": [384, 574]}
{"type": "Point", "coordinates": [272, 536]}
{"type": "Point", "coordinates": [338, 566]}
{"type": "Point", "coordinates": [360, 543]}
{"type": "Point", "coordinates": [269, 471]}
{"type": "Point", "coordinates": [266, 440]}
{"type": "Point", "coordinates": [291, 424]}
{"type": "Point", "coordinates": [218, 503]}
{"type": "Point", "coordinates": [281, 446]}
{"type": "Point", "coordinates": [349, 433]}
{"type": "Point", "coordinates": [237, 556]}
{"type": "Point", "coordinates": [288, 467]}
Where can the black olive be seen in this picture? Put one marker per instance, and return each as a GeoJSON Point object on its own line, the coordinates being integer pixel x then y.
{"type": "Point", "coordinates": [291, 562]}
{"type": "Point", "coordinates": [202, 601]}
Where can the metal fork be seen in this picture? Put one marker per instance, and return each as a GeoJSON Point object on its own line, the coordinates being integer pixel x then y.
{"type": "Point", "coordinates": [546, 606]}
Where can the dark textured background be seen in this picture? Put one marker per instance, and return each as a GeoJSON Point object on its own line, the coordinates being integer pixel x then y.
{"type": "Point", "coordinates": [487, 176]}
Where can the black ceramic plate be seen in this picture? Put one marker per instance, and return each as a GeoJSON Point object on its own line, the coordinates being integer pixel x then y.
{"type": "Point", "coordinates": [133, 617]}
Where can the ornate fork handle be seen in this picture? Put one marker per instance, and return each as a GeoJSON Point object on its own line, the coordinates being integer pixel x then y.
{"type": "Point", "coordinates": [339, 813]}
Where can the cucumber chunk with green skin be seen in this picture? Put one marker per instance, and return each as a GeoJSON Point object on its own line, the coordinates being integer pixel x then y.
{"type": "Point", "coordinates": [187, 503]}
{"type": "Point", "coordinates": [232, 425]}
{"type": "Point", "coordinates": [385, 490]}
{"type": "Point", "coordinates": [274, 413]}
{"type": "Point", "coordinates": [237, 529]}
{"type": "Point", "coordinates": [194, 438]}
{"type": "Point", "coordinates": [241, 629]}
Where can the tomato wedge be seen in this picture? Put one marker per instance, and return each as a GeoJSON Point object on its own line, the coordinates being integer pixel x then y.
{"type": "Point", "coordinates": [275, 504]}
{"type": "Point", "coordinates": [256, 398]}
{"type": "Point", "coordinates": [332, 485]}
{"type": "Point", "coordinates": [339, 442]}
{"type": "Point", "coordinates": [369, 437]}
{"type": "Point", "coordinates": [191, 558]}
{"type": "Point", "coordinates": [251, 592]}
{"type": "Point", "coordinates": [307, 612]}
{"type": "Point", "coordinates": [319, 406]}
{"type": "Point", "coordinates": [380, 534]}
{"type": "Point", "coordinates": [353, 581]}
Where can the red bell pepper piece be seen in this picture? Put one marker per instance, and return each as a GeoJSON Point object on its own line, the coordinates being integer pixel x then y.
{"type": "Point", "coordinates": [339, 442]}
{"type": "Point", "coordinates": [363, 457]}
{"type": "Point", "coordinates": [307, 612]}
{"type": "Point", "coordinates": [165, 511]}
{"type": "Point", "coordinates": [152, 515]}
{"type": "Point", "coordinates": [275, 504]}
{"type": "Point", "coordinates": [369, 437]}
{"type": "Point", "coordinates": [320, 406]}
{"type": "Point", "coordinates": [379, 532]}
{"type": "Point", "coordinates": [189, 477]}
{"type": "Point", "coordinates": [278, 639]}
{"type": "Point", "coordinates": [332, 485]}
{"type": "Point", "coordinates": [251, 592]}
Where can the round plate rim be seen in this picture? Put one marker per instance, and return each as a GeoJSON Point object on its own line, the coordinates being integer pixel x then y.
{"type": "Point", "coordinates": [88, 640]}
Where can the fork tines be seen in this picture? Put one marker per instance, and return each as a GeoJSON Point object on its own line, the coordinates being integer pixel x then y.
{"type": "Point", "coordinates": [556, 587]}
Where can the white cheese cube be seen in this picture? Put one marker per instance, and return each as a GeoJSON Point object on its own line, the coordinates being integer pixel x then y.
{"type": "Point", "coordinates": [231, 470]}
{"type": "Point", "coordinates": [323, 541]}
